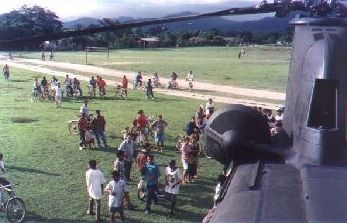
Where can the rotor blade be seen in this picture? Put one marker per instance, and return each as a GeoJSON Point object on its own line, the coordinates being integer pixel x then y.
{"type": "Point", "coordinates": [65, 34]}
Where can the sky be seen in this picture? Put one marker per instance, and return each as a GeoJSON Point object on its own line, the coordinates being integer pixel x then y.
{"type": "Point", "coordinates": [72, 9]}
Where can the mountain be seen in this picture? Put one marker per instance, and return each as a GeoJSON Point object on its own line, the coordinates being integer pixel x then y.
{"type": "Point", "coordinates": [84, 21]}
{"type": "Point", "coordinates": [267, 24]}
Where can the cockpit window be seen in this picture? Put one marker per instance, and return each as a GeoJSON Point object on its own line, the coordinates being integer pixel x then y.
{"type": "Point", "coordinates": [322, 112]}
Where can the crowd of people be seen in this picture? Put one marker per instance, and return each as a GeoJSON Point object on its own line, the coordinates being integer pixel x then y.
{"type": "Point", "coordinates": [137, 148]}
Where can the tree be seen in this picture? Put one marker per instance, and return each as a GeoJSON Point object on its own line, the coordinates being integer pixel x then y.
{"type": "Point", "coordinates": [27, 22]}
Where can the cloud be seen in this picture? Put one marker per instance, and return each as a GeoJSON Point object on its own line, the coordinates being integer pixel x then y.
{"type": "Point", "coordinates": [71, 9]}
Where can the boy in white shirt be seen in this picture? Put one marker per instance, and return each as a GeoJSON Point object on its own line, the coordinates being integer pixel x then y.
{"type": "Point", "coordinates": [173, 179]}
{"type": "Point", "coordinates": [95, 182]}
{"type": "Point", "coordinates": [116, 188]}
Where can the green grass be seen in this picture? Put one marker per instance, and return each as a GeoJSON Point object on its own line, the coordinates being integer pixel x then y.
{"type": "Point", "coordinates": [44, 159]}
{"type": "Point", "coordinates": [260, 68]}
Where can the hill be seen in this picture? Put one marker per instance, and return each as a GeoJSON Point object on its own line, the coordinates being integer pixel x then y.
{"type": "Point", "coordinates": [267, 24]}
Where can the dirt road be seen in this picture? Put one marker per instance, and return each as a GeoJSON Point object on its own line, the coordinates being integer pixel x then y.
{"type": "Point", "coordinates": [52, 68]}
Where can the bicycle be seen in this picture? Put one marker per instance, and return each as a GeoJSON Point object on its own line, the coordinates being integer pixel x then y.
{"type": "Point", "coordinates": [73, 124]}
{"type": "Point", "coordinates": [12, 205]}
{"type": "Point", "coordinates": [142, 190]}
{"type": "Point", "coordinates": [203, 148]}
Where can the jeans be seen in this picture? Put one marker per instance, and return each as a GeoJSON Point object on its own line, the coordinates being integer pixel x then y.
{"type": "Point", "coordinates": [151, 195]}
{"type": "Point", "coordinates": [98, 208]}
{"type": "Point", "coordinates": [127, 168]}
{"type": "Point", "coordinates": [100, 134]}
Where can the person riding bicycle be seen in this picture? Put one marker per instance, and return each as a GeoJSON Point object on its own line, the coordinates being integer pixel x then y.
{"type": "Point", "coordinates": [76, 85]}
{"type": "Point", "coordinates": [173, 82]}
{"type": "Point", "coordinates": [138, 80]}
{"type": "Point", "coordinates": [156, 80]}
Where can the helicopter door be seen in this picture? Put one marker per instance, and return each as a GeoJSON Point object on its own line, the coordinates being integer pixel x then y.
{"type": "Point", "coordinates": [322, 113]}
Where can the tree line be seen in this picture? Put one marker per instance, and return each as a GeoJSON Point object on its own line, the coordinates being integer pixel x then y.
{"type": "Point", "coordinates": [32, 21]}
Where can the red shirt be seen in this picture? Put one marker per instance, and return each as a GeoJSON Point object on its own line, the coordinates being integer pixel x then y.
{"type": "Point", "coordinates": [125, 83]}
{"type": "Point", "coordinates": [141, 121]}
{"type": "Point", "coordinates": [82, 124]}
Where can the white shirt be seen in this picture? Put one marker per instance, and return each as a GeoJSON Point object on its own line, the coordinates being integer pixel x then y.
{"type": "Point", "coordinates": [190, 77]}
{"type": "Point", "coordinates": [172, 177]}
{"type": "Point", "coordinates": [84, 109]}
{"type": "Point", "coordinates": [128, 148]}
{"type": "Point", "coordinates": [94, 179]}
{"type": "Point", "coordinates": [2, 166]}
{"type": "Point", "coordinates": [58, 92]}
{"type": "Point", "coordinates": [208, 107]}
{"type": "Point", "coordinates": [119, 188]}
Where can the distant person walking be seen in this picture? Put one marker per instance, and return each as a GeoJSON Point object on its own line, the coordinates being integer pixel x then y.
{"type": "Point", "coordinates": [6, 71]}
{"type": "Point", "coordinates": [149, 88]}
{"type": "Point", "coordinates": [125, 85]}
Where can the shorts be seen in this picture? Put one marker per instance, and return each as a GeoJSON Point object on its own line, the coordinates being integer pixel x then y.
{"type": "Point", "coordinates": [185, 164]}
{"type": "Point", "coordinates": [159, 137]}
{"type": "Point", "coordinates": [116, 209]}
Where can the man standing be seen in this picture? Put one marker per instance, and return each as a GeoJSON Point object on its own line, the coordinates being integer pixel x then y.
{"type": "Point", "coordinates": [151, 174]}
{"type": "Point", "coordinates": [125, 85]}
{"type": "Point", "coordinates": [159, 126]}
{"type": "Point", "coordinates": [82, 128]}
{"type": "Point", "coordinates": [149, 91]}
{"type": "Point", "coordinates": [128, 147]}
{"type": "Point", "coordinates": [95, 182]}
{"type": "Point", "coordinates": [98, 126]}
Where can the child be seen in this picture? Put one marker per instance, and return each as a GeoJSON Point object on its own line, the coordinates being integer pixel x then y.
{"type": "Point", "coordinates": [89, 140]}
{"type": "Point", "coordinates": [219, 188]}
{"type": "Point", "coordinates": [119, 164]}
{"type": "Point", "coordinates": [173, 178]}
{"type": "Point", "coordinates": [185, 149]}
{"type": "Point", "coordinates": [141, 160]}
{"type": "Point", "coordinates": [126, 132]}
{"type": "Point", "coordinates": [116, 188]}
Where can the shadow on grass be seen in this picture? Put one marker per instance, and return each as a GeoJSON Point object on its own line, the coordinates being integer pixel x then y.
{"type": "Point", "coordinates": [29, 170]}
{"type": "Point", "coordinates": [33, 218]}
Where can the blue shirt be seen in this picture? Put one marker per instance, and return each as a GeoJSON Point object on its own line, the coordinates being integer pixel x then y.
{"type": "Point", "coordinates": [151, 173]}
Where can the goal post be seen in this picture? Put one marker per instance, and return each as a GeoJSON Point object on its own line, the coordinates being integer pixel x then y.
{"type": "Point", "coordinates": [93, 49]}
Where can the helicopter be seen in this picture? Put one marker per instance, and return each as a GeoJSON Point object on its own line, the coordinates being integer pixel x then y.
{"type": "Point", "coordinates": [302, 177]}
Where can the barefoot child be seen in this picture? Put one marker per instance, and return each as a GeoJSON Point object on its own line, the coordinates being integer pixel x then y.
{"type": "Point", "coordinates": [116, 189]}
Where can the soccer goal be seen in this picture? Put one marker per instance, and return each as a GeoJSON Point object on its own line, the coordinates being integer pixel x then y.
{"type": "Point", "coordinates": [97, 55]}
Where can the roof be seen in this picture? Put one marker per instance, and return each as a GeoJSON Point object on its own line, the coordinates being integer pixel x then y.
{"type": "Point", "coordinates": [151, 39]}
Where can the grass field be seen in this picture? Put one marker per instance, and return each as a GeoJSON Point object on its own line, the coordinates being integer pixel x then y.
{"type": "Point", "coordinates": [44, 158]}
{"type": "Point", "coordinates": [259, 68]}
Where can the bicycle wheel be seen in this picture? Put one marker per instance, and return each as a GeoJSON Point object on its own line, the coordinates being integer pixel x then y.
{"type": "Point", "coordinates": [207, 155]}
{"type": "Point", "coordinates": [73, 127]}
{"type": "Point", "coordinates": [141, 194]}
{"type": "Point", "coordinates": [15, 209]}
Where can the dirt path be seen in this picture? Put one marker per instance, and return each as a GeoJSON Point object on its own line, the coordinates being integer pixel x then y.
{"type": "Point", "coordinates": [47, 67]}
